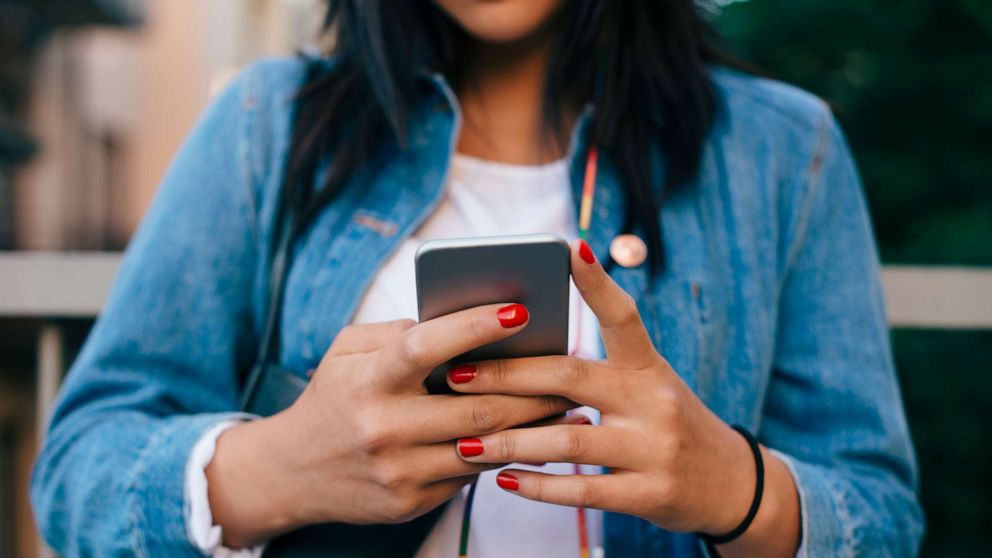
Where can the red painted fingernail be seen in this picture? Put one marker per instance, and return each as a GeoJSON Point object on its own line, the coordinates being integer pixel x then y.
{"type": "Point", "coordinates": [585, 252]}
{"type": "Point", "coordinates": [512, 315]}
{"type": "Point", "coordinates": [506, 481]}
{"type": "Point", "coordinates": [462, 374]}
{"type": "Point", "coordinates": [584, 420]}
{"type": "Point", "coordinates": [470, 447]}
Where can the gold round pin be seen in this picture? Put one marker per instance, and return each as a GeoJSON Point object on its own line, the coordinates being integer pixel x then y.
{"type": "Point", "coordinates": [628, 250]}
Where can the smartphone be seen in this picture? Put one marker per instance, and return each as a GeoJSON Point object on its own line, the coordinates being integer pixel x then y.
{"type": "Point", "coordinates": [533, 270]}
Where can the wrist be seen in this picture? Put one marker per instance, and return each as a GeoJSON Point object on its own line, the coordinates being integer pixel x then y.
{"type": "Point", "coordinates": [733, 490]}
{"type": "Point", "coordinates": [775, 530]}
{"type": "Point", "coordinates": [252, 496]}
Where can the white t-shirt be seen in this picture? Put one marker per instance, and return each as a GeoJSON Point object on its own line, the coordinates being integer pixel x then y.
{"type": "Point", "coordinates": [481, 198]}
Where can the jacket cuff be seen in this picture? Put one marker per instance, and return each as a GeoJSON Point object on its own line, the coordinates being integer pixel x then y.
{"type": "Point", "coordinates": [822, 519]}
{"type": "Point", "coordinates": [155, 497]}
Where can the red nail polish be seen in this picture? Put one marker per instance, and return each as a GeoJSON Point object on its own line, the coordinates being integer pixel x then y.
{"type": "Point", "coordinates": [462, 374]}
{"type": "Point", "coordinates": [512, 315]}
{"type": "Point", "coordinates": [470, 447]}
{"type": "Point", "coordinates": [584, 420]}
{"type": "Point", "coordinates": [506, 481]}
{"type": "Point", "coordinates": [585, 252]}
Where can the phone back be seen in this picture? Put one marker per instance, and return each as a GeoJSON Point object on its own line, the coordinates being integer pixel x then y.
{"type": "Point", "coordinates": [533, 270]}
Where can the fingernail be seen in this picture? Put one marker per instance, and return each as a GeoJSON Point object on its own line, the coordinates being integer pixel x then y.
{"type": "Point", "coordinates": [470, 447]}
{"type": "Point", "coordinates": [512, 315]}
{"type": "Point", "coordinates": [462, 374]}
{"type": "Point", "coordinates": [506, 481]}
{"type": "Point", "coordinates": [584, 420]}
{"type": "Point", "coordinates": [585, 252]}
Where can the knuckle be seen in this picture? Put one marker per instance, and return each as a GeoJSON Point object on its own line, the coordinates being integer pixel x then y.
{"type": "Point", "coordinates": [479, 328]}
{"type": "Point", "coordinates": [552, 405]}
{"type": "Point", "coordinates": [587, 496]}
{"type": "Point", "coordinates": [399, 327]}
{"type": "Point", "coordinates": [374, 436]}
{"type": "Point", "coordinates": [601, 281]}
{"type": "Point", "coordinates": [485, 416]}
{"type": "Point", "coordinates": [501, 372]}
{"type": "Point", "coordinates": [571, 371]}
{"type": "Point", "coordinates": [391, 477]}
{"type": "Point", "coordinates": [537, 488]}
{"type": "Point", "coordinates": [596, 284]}
{"type": "Point", "coordinates": [569, 444]}
{"type": "Point", "coordinates": [666, 491]}
{"type": "Point", "coordinates": [628, 310]}
{"type": "Point", "coordinates": [669, 403]}
{"type": "Point", "coordinates": [506, 448]}
{"type": "Point", "coordinates": [403, 507]}
{"type": "Point", "coordinates": [414, 349]}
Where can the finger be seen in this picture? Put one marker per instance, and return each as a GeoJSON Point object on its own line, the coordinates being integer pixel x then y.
{"type": "Point", "coordinates": [626, 341]}
{"type": "Point", "coordinates": [448, 417]}
{"type": "Point", "coordinates": [434, 462]}
{"type": "Point", "coordinates": [431, 343]}
{"type": "Point", "coordinates": [590, 445]}
{"type": "Point", "coordinates": [599, 492]}
{"type": "Point", "coordinates": [365, 338]}
{"type": "Point", "coordinates": [571, 418]}
{"type": "Point", "coordinates": [583, 381]}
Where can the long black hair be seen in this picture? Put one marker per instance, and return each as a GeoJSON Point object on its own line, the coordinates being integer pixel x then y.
{"type": "Point", "coordinates": [646, 63]}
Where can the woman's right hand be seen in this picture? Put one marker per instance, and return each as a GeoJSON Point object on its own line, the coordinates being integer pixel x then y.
{"type": "Point", "coordinates": [365, 443]}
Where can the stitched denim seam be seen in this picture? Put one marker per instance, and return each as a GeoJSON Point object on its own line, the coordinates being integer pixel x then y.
{"type": "Point", "coordinates": [842, 498]}
{"type": "Point", "coordinates": [814, 180]}
{"type": "Point", "coordinates": [136, 517]}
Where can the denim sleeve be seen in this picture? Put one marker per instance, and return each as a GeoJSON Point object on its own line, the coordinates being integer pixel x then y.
{"type": "Point", "coordinates": [833, 407]}
{"type": "Point", "coordinates": [160, 366]}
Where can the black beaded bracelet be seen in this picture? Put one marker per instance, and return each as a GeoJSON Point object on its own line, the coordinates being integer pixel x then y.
{"type": "Point", "coordinates": [759, 489]}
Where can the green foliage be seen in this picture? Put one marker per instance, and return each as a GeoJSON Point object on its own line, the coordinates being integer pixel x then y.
{"type": "Point", "coordinates": [911, 83]}
{"type": "Point", "coordinates": [948, 393]}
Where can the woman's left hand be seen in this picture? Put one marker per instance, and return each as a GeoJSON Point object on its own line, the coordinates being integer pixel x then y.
{"type": "Point", "coordinates": [672, 461]}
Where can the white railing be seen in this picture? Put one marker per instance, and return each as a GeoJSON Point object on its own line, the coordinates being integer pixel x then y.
{"type": "Point", "coordinates": [938, 297]}
{"type": "Point", "coordinates": [53, 285]}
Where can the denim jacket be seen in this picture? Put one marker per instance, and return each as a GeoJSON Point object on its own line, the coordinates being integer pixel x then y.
{"type": "Point", "coordinates": [770, 308]}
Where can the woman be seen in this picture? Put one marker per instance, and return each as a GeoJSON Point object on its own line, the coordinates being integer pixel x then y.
{"type": "Point", "coordinates": [758, 306]}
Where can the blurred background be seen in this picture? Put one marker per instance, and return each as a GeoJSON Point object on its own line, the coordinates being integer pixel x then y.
{"type": "Point", "coordinates": [96, 95]}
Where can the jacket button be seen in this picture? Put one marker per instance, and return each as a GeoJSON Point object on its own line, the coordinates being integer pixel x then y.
{"type": "Point", "coordinates": [628, 250]}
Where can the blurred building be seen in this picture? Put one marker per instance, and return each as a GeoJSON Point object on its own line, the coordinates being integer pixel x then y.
{"type": "Point", "coordinates": [109, 107]}
{"type": "Point", "coordinates": [95, 98]}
